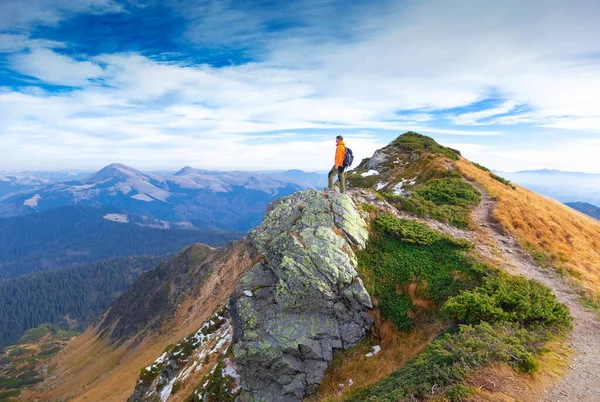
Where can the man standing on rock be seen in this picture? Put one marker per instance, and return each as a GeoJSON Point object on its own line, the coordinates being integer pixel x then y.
{"type": "Point", "coordinates": [338, 166]}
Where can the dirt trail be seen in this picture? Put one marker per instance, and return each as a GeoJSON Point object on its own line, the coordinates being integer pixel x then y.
{"type": "Point", "coordinates": [582, 381]}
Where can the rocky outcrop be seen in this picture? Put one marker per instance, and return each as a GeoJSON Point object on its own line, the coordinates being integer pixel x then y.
{"type": "Point", "coordinates": [203, 356]}
{"type": "Point", "coordinates": [303, 299]}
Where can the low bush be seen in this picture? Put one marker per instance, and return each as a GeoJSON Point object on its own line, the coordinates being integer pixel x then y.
{"type": "Point", "coordinates": [5, 395]}
{"type": "Point", "coordinates": [368, 207]}
{"type": "Point", "coordinates": [447, 200]}
{"type": "Point", "coordinates": [402, 252]}
{"type": "Point", "coordinates": [444, 365]}
{"type": "Point", "coordinates": [477, 165]}
{"type": "Point", "coordinates": [502, 180]}
{"type": "Point", "coordinates": [414, 142]}
{"type": "Point", "coordinates": [450, 191]}
{"type": "Point", "coordinates": [509, 299]}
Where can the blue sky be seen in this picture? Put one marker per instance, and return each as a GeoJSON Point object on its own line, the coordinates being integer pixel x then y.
{"type": "Point", "coordinates": [268, 84]}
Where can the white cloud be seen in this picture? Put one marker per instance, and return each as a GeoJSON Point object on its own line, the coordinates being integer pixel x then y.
{"type": "Point", "coordinates": [475, 117]}
{"type": "Point", "coordinates": [21, 15]}
{"type": "Point", "coordinates": [55, 68]}
{"type": "Point", "coordinates": [17, 42]}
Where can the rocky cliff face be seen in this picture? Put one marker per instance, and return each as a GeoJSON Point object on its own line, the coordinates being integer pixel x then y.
{"type": "Point", "coordinates": [302, 300]}
{"type": "Point", "coordinates": [299, 301]}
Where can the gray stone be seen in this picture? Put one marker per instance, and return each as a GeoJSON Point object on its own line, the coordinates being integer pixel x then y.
{"type": "Point", "coordinates": [307, 300]}
{"type": "Point", "coordinates": [377, 160]}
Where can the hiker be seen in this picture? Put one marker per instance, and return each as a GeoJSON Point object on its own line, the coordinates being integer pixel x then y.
{"type": "Point", "coordinates": [338, 166]}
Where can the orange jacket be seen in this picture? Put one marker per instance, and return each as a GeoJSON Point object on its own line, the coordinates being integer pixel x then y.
{"type": "Point", "coordinates": [340, 152]}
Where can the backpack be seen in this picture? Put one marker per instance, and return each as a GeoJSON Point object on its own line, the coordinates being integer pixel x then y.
{"type": "Point", "coordinates": [348, 158]}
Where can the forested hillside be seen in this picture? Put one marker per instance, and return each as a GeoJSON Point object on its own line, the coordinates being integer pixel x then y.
{"type": "Point", "coordinates": [70, 297]}
{"type": "Point", "coordinates": [586, 208]}
{"type": "Point", "coordinates": [69, 235]}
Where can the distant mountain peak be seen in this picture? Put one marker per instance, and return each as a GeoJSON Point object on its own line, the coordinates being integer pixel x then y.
{"type": "Point", "coordinates": [186, 170]}
{"type": "Point", "coordinates": [119, 167]}
{"type": "Point", "coordinates": [112, 171]}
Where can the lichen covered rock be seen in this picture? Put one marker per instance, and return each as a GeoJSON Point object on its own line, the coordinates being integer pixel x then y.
{"type": "Point", "coordinates": [302, 300]}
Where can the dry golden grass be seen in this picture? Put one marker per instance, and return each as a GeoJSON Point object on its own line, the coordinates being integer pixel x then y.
{"type": "Point", "coordinates": [355, 371]}
{"type": "Point", "coordinates": [500, 383]}
{"type": "Point", "coordinates": [569, 238]}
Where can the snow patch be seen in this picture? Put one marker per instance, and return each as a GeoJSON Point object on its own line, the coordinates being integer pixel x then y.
{"type": "Point", "coordinates": [121, 218]}
{"type": "Point", "coordinates": [398, 189]}
{"type": "Point", "coordinates": [231, 371]}
{"type": "Point", "coordinates": [248, 293]}
{"type": "Point", "coordinates": [166, 392]}
{"type": "Point", "coordinates": [33, 201]}
{"type": "Point", "coordinates": [380, 186]}
{"type": "Point", "coordinates": [370, 173]}
{"type": "Point", "coordinates": [142, 197]}
{"type": "Point", "coordinates": [376, 349]}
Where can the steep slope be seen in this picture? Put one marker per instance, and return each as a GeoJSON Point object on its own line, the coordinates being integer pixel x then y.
{"type": "Point", "coordinates": [582, 379]}
{"type": "Point", "coordinates": [554, 234]}
{"type": "Point", "coordinates": [104, 362]}
{"type": "Point", "coordinates": [208, 199]}
{"type": "Point", "coordinates": [79, 234]}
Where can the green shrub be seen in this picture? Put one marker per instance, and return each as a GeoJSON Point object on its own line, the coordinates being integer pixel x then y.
{"type": "Point", "coordinates": [401, 252]}
{"type": "Point", "coordinates": [358, 181]}
{"type": "Point", "coordinates": [5, 395]}
{"type": "Point", "coordinates": [448, 361]}
{"type": "Point", "coordinates": [502, 180]}
{"type": "Point", "coordinates": [27, 378]}
{"type": "Point", "coordinates": [50, 352]}
{"type": "Point", "coordinates": [509, 299]}
{"type": "Point", "coordinates": [450, 174]}
{"type": "Point", "coordinates": [481, 167]}
{"type": "Point", "coordinates": [450, 192]}
{"type": "Point", "coordinates": [494, 317]}
{"type": "Point", "coordinates": [448, 200]}
{"type": "Point", "coordinates": [414, 142]}
{"type": "Point", "coordinates": [397, 308]}
{"type": "Point", "coordinates": [176, 387]}
{"type": "Point", "coordinates": [34, 334]}
{"type": "Point", "coordinates": [368, 207]}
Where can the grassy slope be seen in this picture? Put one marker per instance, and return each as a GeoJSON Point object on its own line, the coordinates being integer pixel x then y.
{"type": "Point", "coordinates": [108, 372]}
{"type": "Point", "coordinates": [19, 362]}
{"type": "Point", "coordinates": [419, 279]}
{"type": "Point", "coordinates": [570, 241]}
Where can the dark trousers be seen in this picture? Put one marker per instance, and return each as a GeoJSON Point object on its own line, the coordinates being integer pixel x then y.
{"type": "Point", "coordinates": [341, 177]}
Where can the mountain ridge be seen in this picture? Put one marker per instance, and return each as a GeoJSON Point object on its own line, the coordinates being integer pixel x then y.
{"type": "Point", "coordinates": [206, 199]}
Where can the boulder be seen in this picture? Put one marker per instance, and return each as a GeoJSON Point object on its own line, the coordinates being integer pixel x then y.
{"type": "Point", "coordinates": [302, 300]}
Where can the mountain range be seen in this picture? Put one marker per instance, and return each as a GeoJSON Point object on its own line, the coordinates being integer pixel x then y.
{"type": "Point", "coordinates": [203, 199]}
{"type": "Point", "coordinates": [70, 235]}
